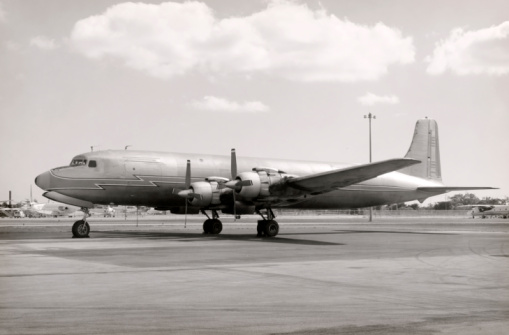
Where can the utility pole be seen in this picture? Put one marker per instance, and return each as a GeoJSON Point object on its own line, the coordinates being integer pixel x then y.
{"type": "Point", "coordinates": [369, 117]}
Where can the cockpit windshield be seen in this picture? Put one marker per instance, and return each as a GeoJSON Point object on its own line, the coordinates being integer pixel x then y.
{"type": "Point", "coordinates": [78, 161]}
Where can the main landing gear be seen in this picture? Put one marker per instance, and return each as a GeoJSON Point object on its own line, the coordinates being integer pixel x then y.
{"type": "Point", "coordinates": [212, 226]}
{"type": "Point", "coordinates": [268, 226]}
{"type": "Point", "coordinates": [80, 229]}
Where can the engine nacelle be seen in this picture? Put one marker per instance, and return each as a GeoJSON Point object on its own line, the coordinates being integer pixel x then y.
{"type": "Point", "coordinates": [261, 181]}
{"type": "Point", "coordinates": [208, 191]}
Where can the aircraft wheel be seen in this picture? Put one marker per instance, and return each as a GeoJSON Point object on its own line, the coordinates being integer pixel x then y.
{"type": "Point", "coordinates": [271, 228]}
{"type": "Point", "coordinates": [216, 226]}
{"type": "Point", "coordinates": [207, 226]}
{"type": "Point", "coordinates": [260, 228]}
{"type": "Point", "coordinates": [80, 229]}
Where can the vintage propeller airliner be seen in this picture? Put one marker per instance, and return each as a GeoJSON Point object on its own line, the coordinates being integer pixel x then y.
{"type": "Point", "coordinates": [192, 183]}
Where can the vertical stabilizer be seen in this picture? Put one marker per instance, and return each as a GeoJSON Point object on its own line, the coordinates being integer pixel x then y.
{"type": "Point", "coordinates": [425, 147]}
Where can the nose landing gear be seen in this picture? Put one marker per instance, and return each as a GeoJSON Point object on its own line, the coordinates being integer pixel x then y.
{"type": "Point", "coordinates": [81, 228]}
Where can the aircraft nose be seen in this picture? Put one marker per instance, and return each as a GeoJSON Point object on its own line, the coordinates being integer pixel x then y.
{"type": "Point", "coordinates": [43, 180]}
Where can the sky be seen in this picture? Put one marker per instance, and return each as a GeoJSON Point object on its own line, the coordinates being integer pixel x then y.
{"type": "Point", "coordinates": [278, 79]}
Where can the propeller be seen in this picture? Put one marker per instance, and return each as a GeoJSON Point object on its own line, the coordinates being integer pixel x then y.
{"type": "Point", "coordinates": [233, 164]}
{"type": "Point", "coordinates": [188, 192]}
{"type": "Point", "coordinates": [235, 184]}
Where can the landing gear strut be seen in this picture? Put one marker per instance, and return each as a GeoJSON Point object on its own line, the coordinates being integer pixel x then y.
{"type": "Point", "coordinates": [268, 226]}
{"type": "Point", "coordinates": [80, 229]}
{"type": "Point", "coordinates": [212, 226]}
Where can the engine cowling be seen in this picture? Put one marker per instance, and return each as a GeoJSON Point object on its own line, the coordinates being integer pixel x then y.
{"type": "Point", "coordinates": [208, 191]}
{"type": "Point", "coordinates": [261, 181]}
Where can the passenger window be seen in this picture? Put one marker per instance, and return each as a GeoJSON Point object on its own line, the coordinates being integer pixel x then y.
{"type": "Point", "coordinates": [92, 164]}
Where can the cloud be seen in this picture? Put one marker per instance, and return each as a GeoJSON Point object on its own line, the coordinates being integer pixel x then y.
{"type": "Point", "coordinates": [12, 46]}
{"type": "Point", "coordinates": [484, 51]}
{"type": "Point", "coordinates": [43, 43]}
{"type": "Point", "coordinates": [286, 39]}
{"type": "Point", "coordinates": [3, 15]}
{"type": "Point", "coordinates": [211, 103]}
{"type": "Point", "coordinates": [370, 99]}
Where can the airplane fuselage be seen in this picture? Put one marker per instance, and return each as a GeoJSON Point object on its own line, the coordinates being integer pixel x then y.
{"type": "Point", "coordinates": [149, 179]}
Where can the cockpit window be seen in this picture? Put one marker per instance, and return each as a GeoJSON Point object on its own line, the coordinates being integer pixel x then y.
{"type": "Point", "coordinates": [92, 164]}
{"type": "Point", "coordinates": [78, 162]}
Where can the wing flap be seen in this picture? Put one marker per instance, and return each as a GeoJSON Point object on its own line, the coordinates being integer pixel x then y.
{"type": "Point", "coordinates": [331, 180]}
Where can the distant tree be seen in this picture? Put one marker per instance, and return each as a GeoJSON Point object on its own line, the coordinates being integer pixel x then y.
{"type": "Point", "coordinates": [491, 201]}
{"type": "Point", "coordinates": [463, 199]}
{"type": "Point", "coordinates": [443, 205]}
{"type": "Point", "coordinates": [414, 206]}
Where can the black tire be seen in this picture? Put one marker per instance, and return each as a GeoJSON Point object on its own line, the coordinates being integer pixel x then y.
{"type": "Point", "coordinates": [207, 226]}
{"type": "Point", "coordinates": [271, 228]}
{"type": "Point", "coordinates": [260, 228]}
{"type": "Point", "coordinates": [80, 229]}
{"type": "Point", "coordinates": [216, 226]}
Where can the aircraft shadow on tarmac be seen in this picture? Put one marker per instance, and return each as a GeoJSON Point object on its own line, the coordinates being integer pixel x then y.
{"type": "Point", "coordinates": [388, 232]}
{"type": "Point", "coordinates": [185, 237]}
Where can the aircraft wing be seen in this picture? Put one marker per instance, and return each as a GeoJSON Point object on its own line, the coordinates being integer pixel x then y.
{"type": "Point", "coordinates": [445, 189]}
{"type": "Point", "coordinates": [331, 180]}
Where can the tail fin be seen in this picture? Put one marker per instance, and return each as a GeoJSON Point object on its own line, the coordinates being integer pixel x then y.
{"type": "Point", "coordinates": [425, 147]}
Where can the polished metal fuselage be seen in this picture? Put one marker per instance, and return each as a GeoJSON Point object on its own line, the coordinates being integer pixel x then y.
{"type": "Point", "coordinates": [149, 179]}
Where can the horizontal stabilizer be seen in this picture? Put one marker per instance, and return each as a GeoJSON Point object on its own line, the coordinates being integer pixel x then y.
{"type": "Point", "coordinates": [331, 180]}
{"type": "Point", "coordinates": [445, 189]}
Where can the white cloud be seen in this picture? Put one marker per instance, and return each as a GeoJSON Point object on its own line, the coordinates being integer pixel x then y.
{"type": "Point", "coordinates": [370, 99]}
{"type": "Point", "coordinates": [3, 15]}
{"type": "Point", "coordinates": [484, 51]}
{"type": "Point", "coordinates": [285, 39]}
{"type": "Point", "coordinates": [12, 46]}
{"type": "Point", "coordinates": [43, 43]}
{"type": "Point", "coordinates": [211, 103]}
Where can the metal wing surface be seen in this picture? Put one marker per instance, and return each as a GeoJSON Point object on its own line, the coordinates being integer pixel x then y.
{"type": "Point", "coordinates": [444, 189]}
{"type": "Point", "coordinates": [331, 180]}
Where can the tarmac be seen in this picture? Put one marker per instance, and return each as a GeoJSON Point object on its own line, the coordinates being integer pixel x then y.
{"type": "Point", "coordinates": [320, 275]}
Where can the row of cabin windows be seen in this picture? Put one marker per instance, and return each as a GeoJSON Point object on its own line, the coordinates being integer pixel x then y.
{"type": "Point", "coordinates": [80, 162]}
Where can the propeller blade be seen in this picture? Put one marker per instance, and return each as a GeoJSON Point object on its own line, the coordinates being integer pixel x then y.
{"type": "Point", "coordinates": [234, 208]}
{"type": "Point", "coordinates": [188, 174]}
{"type": "Point", "coordinates": [234, 164]}
{"type": "Point", "coordinates": [185, 217]}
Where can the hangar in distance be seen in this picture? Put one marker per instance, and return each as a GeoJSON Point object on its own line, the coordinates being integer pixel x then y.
{"type": "Point", "coordinates": [194, 183]}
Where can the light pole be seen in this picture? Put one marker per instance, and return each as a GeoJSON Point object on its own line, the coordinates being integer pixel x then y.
{"type": "Point", "coordinates": [370, 116]}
